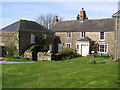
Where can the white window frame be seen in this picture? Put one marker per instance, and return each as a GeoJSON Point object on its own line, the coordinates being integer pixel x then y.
{"type": "Point", "coordinates": [44, 36]}
{"type": "Point", "coordinates": [50, 47]}
{"type": "Point", "coordinates": [77, 44]}
{"type": "Point", "coordinates": [83, 34]}
{"type": "Point", "coordinates": [68, 34]}
{"type": "Point", "coordinates": [104, 48]}
{"type": "Point", "coordinates": [100, 36]}
{"type": "Point", "coordinates": [32, 39]}
{"type": "Point", "coordinates": [66, 45]}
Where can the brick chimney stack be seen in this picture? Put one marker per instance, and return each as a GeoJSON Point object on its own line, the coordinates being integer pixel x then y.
{"type": "Point", "coordinates": [56, 19]}
{"type": "Point", "coordinates": [83, 15]}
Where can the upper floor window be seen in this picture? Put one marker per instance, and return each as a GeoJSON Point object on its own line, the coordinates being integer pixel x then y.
{"type": "Point", "coordinates": [32, 39]}
{"type": "Point", "coordinates": [68, 45]}
{"type": "Point", "coordinates": [82, 34]}
{"type": "Point", "coordinates": [68, 34]}
{"type": "Point", "coordinates": [102, 36]}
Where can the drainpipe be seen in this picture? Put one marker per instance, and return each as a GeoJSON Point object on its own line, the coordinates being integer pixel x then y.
{"type": "Point", "coordinates": [116, 52]}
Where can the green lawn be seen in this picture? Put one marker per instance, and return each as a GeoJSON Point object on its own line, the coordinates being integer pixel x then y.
{"type": "Point", "coordinates": [74, 73]}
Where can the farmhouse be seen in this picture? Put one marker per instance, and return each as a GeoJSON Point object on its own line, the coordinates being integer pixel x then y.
{"type": "Point", "coordinates": [79, 34]}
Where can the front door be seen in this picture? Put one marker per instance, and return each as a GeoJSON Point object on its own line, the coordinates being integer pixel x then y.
{"type": "Point", "coordinates": [84, 49]}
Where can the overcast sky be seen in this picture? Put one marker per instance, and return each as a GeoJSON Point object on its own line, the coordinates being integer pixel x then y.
{"type": "Point", "coordinates": [13, 11]}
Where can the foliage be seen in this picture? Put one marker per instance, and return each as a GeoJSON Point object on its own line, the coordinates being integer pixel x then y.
{"type": "Point", "coordinates": [10, 49]}
{"type": "Point", "coordinates": [66, 53]}
{"type": "Point", "coordinates": [40, 40]}
{"type": "Point", "coordinates": [73, 73]}
{"type": "Point", "coordinates": [93, 46]}
{"type": "Point", "coordinates": [104, 55]}
{"type": "Point", "coordinates": [92, 61]}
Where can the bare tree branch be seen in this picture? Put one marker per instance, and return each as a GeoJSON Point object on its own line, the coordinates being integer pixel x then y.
{"type": "Point", "coordinates": [47, 20]}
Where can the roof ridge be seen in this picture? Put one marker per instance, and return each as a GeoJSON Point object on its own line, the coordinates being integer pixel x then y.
{"type": "Point", "coordinates": [85, 20]}
{"type": "Point", "coordinates": [19, 25]}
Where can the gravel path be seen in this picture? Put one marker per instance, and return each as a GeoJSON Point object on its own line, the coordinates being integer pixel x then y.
{"type": "Point", "coordinates": [10, 62]}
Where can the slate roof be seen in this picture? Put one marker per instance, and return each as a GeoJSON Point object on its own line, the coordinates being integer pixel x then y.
{"type": "Point", "coordinates": [116, 14]}
{"type": "Point", "coordinates": [24, 25]}
{"type": "Point", "coordinates": [95, 25]}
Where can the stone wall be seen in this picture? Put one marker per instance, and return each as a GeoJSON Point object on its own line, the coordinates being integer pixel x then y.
{"type": "Point", "coordinates": [119, 39]}
{"type": "Point", "coordinates": [25, 40]}
{"type": "Point", "coordinates": [44, 56]}
{"type": "Point", "coordinates": [109, 39]}
{"type": "Point", "coordinates": [11, 37]}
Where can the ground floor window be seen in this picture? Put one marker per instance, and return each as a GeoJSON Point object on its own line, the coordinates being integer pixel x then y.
{"type": "Point", "coordinates": [68, 45]}
{"type": "Point", "coordinates": [77, 46]}
{"type": "Point", "coordinates": [50, 48]}
{"type": "Point", "coordinates": [103, 48]}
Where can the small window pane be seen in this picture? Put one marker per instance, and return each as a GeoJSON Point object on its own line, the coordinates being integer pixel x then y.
{"type": "Point", "coordinates": [101, 35]}
{"type": "Point", "coordinates": [77, 46]}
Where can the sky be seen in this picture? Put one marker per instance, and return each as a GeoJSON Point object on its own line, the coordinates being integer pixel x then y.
{"type": "Point", "coordinates": [12, 11]}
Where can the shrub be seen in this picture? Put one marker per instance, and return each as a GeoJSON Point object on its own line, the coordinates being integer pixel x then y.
{"type": "Point", "coordinates": [92, 61]}
{"type": "Point", "coordinates": [10, 49]}
{"type": "Point", "coordinates": [66, 53]}
{"type": "Point", "coordinates": [103, 55]}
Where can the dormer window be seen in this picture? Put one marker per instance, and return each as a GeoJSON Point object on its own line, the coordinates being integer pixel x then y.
{"type": "Point", "coordinates": [102, 36]}
{"type": "Point", "coordinates": [68, 34]}
{"type": "Point", "coordinates": [82, 34]}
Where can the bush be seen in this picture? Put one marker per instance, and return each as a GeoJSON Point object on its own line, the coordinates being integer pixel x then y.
{"type": "Point", "coordinates": [103, 55]}
{"type": "Point", "coordinates": [10, 49]}
{"type": "Point", "coordinates": [92, 61]}
{"type": "Point", "coordinates": [66, 53]}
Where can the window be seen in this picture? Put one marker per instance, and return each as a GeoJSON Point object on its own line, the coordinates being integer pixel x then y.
{"type": "Point", "coordinates": [82, 34]}
{"type": "Point", "coordinates": [68, 34]}
{"type": "Point", "coordinates": [68, 45]}
{"type": "Point", "coordinates": [102, 35]}
{"type": "Point", "coordinates": [50, 48]}
{"type": "Point", "coordinates": [77, 46]}
{"type": "Point", "coordinates": [32, 39]}
{"type": "Point", "coordinates": [103, 48]}
{"type": "Point", "coordinates": [44, 36]}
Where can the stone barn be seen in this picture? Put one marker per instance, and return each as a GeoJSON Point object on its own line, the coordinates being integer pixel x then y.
{"type": "Point", "coordinates": [22, 34]}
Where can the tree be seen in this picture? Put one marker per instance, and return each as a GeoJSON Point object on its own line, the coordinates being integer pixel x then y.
{"type": "Point", "coordinates": [47, 20]}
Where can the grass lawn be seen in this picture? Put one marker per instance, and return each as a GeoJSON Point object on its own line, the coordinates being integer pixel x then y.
{"type": "Point", "coordinates": [74, 73]}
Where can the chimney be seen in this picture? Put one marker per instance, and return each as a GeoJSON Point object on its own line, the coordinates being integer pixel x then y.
{"type": "Point", "coordinates": [56, 19]}
{"type": "Point", "coordinates": [83, 15]}
{"type": "Point", "coordinates": [78, 17]}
